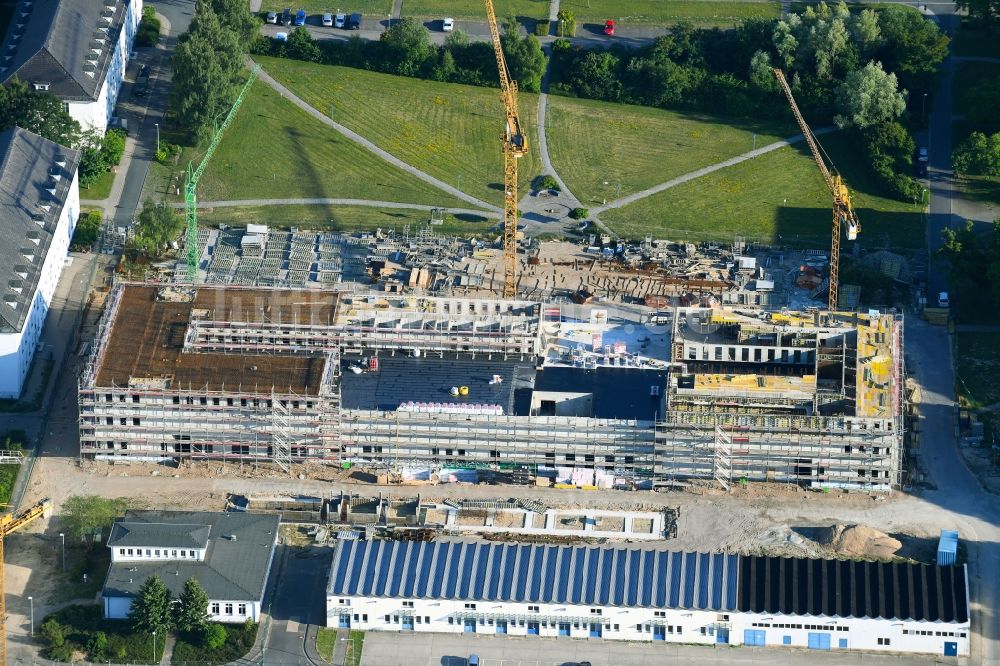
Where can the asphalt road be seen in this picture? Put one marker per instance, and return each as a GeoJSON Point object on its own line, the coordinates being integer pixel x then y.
{"type": "Point", "coordinates": [298, 603]}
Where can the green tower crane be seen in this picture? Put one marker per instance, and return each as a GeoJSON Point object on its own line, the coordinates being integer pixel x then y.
{"type": "Point", "coordinates": [193, 175]}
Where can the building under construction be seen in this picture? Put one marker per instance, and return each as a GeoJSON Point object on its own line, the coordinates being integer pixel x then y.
{"type": "Point", "coordinates": [451, 388]}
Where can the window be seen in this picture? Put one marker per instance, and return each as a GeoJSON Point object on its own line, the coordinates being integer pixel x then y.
{"type": "Point", "coordinates": [532, 609]}
{"type": "Point", "coordinates": [148, 552]}
{"type": "Point", "coordinates": [242, 609]}
{"type": "Point", "coordinates": [470, 606]}
{"type": "Point", "coordinates": [121, 551]}
{"type": "Point", "coordinates": [173, 553]}
{"type": "Point", "coordinates": [364, 617]}
{"type": "Point", "coordinates": [129, 551]}
{"type": "Point", "coordinates": [41, 86]}
{"type": "Point", "coordinates": [215, 609]}
{"type": "Point", "coordinates": [427, 619]}
{"type": "Point", "coordinates": [135, 399]}
{"type": "Point", "coordinates": [407, 604]}
{"type": "Point", "coordinates": [157, 552]}
{"type": "Point", "coordinates": [420, 620]}
{"type": "Point", "coordinates": [595, 611]}
{"type": "Point", "coordinates": [883, 641]}
{"type": "Point", "coordinates": [184, 553]}
{"type": "Point", "coordinates": [663, 614]}
{"type": "Point", "coordinates": [344, 602]}
{"type": "Point", "coordinates": [387, 619]}
{"type": "Point", "coordinates": [229, 609]}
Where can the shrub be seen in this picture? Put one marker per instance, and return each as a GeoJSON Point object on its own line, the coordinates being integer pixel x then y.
{"type": "Point", "coordinates": [565, 23]}
{"type": "Point", "coordinates": [97, 646]}
{"type": "Point", "coordinates": [546, 182]}
{"type": "Point", "coordinates": [542, 28]}
{"type": "Point", "coordinates": [579, 213]}
{"type": "Point", "coordinates": [149, 28]}
{"type": "Point", "coordinates": [88, 229]}
{"type": "Point", "coordinates": [214, 636]}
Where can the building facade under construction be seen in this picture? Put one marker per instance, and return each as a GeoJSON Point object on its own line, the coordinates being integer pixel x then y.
{"type": "Point", "coordinates": [452, 388]}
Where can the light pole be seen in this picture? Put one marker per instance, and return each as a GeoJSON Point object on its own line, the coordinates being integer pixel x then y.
{"type": "Point", "coordinates": [157, 126]}
{"type": "Point", "coordinates": [152, 659]}
{"type": "Point", "coordinates": [31, 600]}
{"type": "Point", "coordinates": [62, 537]}
{"type": "Point", "coordinates": [923, 109]}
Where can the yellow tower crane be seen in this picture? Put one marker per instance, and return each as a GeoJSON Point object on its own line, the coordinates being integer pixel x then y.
{"type": "Point", "coordinates": [515, 146]}
{"type": "Point", "coordinates": [843, 209]}
{"type": "Point", "coordinates": [10, 523]}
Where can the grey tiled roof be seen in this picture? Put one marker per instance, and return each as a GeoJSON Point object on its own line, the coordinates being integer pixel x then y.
{"type": "Point", "coordinates": [35, 178]}
{"type": "Point", "coordinates": [159, 535]}
{"type": "Point", "coordinates": [65, 43]}
{"type": "Point", "coordinates": [234, 569]}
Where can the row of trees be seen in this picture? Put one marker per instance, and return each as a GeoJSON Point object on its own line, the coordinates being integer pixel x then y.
{"type": "Point", "coordinates": [974, 259]}
{"type": "Point", "coordinates": [208, 64]}
{"type": "Point", "coordinates": [851, 68]}
{"type": "Point", "coordinates": [405, 49]}
{"type": "Point", "coordinates": [154, 609]}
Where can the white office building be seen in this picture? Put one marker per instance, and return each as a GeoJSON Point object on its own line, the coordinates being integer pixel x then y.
{"type": "Point", "coordinates": [635, 593]}
{"type": "Point", "coordinates": [39, 209]}
{"type": "Point", "coordinates": [75, 49]}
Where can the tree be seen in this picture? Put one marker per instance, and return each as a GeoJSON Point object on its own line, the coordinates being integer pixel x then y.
{"type": "Point", "coordinates": [38, 112]}
{"type": "Point", "coordinates": [192, 609]}
{"type": "Point", "coordinates": [407, 46]}
{"type": "Point", "coordinates": [151, 608]}
{"type": "Point", "coordinates": [83, 514]}
{"type": "Point", "coordinates": [157, 225]}
{"type": "Point", "coordinates": [88, 229]}
{"type": "Point", "coordinates": [912, 47]}
{"type": "Point", "coordinates": [982, 12]}
{"type": "Point", "coordinates": [300, 46]}
{"type": "Point", "coordinates": [869, 96]}
{"type": "Point", "coordinates": [982, 102]}
{"type": "Point", "coordinates": [456, 39]}
{"type": "Point", "coordinates": [974, 259]}
{"type": "Point", "coordinates": [978, 155]}
{"type": "Point", "coordinates": [867, 31]}
{"type": "Point", "coordinates": [234, 17]}
{"type": "Point", "coordinates": [761, 74]}
{"type": "Point", "coordinates": [97, 646]}
{"type": "Point", "coordinates": [524, 57]}
{"type": "Point", "coordinates": [214, 636]}
{"type": "Point", "coordinates": [113, 147]}
{"type": "Point", "coordinates": [595, 75]}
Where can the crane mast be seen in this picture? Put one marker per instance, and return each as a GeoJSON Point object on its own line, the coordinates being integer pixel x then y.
{"type": "Point", "coordinates": [515, 146]}
{"type": "Point", "coordinates": [194, 175]}
{"type": "Point", "coordinates": [843, 209]}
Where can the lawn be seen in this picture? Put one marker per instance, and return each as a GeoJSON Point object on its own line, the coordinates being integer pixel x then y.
{"type": "Point", "coordinates": [343, 218]}
{"type": "Point", "coordinates": [366, 7]}
{"type": "Point", "coordinates": [100, 189]}
{"type": "Point", "coordinates": [475, 9]}
{"type": "Point", "coordinates": [779, 197]}
{"type": "Point", "coordinates": [592, 143]}
{"type": "Point", "coordinates": [274, 150]}
{"type": "Point", "coordinates": [326, 639]}
{"type": "Point", "coordinates": [91, 560]}
{"type": "Point", "coordinates": [239, 639]}
{"type": "Point", "coordinates": [978, 368]}
{"type": "Point", "coordinates": [668, 12]}
{"type": "Point", "coordinates": [448, 130]}
{"type": "Point", "coordinates": [12, 441]}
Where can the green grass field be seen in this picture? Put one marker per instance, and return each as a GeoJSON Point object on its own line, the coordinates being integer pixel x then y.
{"type": "Point", "coordinates": [274, 150]}
{"type": "Point", "coordinates": [447, 130]}
{"type": "Point", "coordinates": [779, 197]}
{"type": "Point", "coordinates": [667, 12]}
{"type": "Point", "coordinates": [343, 218]}
{"type": "Point", "coordinates": [592, 142]}
{"type": "Point", "coordinates": [99, 189]}
{"type": "Point", "coordinates": [475, 10]}
{"type": "Point", "coordinates": [366, 7]}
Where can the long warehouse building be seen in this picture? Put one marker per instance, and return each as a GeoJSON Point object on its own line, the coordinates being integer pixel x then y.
{"type": "Point", "coordinates": [421, 386]}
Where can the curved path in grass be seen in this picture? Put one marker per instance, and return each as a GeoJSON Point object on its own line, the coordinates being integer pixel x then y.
{"type": "Point", "coordinates": [679, 180]}
{"type": "Point", "coordinates": [370, 203]}
{"type": "Point", "coordinates": [368, 145]}
{"type": "Point", "coordinates": [543, 147]}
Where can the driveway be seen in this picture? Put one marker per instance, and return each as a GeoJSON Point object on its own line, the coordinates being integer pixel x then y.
{"type": "Point", "coordinates": [299, 604]}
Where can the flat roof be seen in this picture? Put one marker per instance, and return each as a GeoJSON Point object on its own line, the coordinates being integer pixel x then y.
{"type": "Point", "coordinates": [403, 378]}
{"type": "Point", "coordinates": [625, 576]}
{"type": "Point", "coordinates": [618, 393]}
{"type": "Point", "coordinates": [147, 341]}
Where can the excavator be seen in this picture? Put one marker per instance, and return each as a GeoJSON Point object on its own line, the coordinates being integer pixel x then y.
{"type": "Point", "coordinates": [10, 523]}
{"type": "Point", "coordinates": [843, 209]}
{"type": "Point", "coordinates": [515, 146]}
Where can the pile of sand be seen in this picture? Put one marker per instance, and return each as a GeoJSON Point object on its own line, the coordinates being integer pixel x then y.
{"type": "Point", "coordinates": [860, 541]}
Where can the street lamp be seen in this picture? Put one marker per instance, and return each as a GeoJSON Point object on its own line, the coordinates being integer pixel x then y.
{"type": "Point", "coordinates": [923, 109]}
{"type": "Point", "coordinates": [152, 659]}
{"type": "Point", "coordinates": [157, 126]}
{"type": "Point", "coordinates": [62, 537]}
{"type": "Point", "coordinates": [31, 600]}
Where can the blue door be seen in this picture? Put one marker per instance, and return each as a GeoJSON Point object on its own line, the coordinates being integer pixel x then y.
{"type": "Point", "coordinates": [407, 623]}
{"type": "Point", "coordinates": [950, 649]}
{"type": "Point", "coordinates": [754, 637]}
{"type": "Point", "coordinates": [501, 626]}
{"type": "Point", "coordinates": [842, 643]}
{"type": "Point", "coordinates": [659, 633]}
{"type": "Point", "coordinates": [722, 635]}
{"type": "Point", "coordinates": [469, 625]}
{"type": "Point", "coordinates": [595, 631]}
{"type": "Point", "coordinates": [532, 628]}
{"type": "Point", "coordinates": [345, 622]}
{"type": "Point", "coordinates": [564, 628]}
{"type": "Point", "coordinates": [819, 641]}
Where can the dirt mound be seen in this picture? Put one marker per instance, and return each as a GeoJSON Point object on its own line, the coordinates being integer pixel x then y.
{"type": "Point", "coordinates": [860, 541]}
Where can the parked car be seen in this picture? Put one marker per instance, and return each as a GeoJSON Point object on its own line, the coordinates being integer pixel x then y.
{"type": "Point", "coordinates": [281, 37]}
{"type": "Point", "coordinates": [354, 21]}
{"type": "Point", "coordinates": [328, 20]}
{"type": "Point", "coordinates": [609, 27]}
{"type": "Point", "coordinates": [943, 300]}
{"type": "Point", "coordinates": [448, 24]}
{"type": "Point", "coordinates": [272, 17]}
{"type": "Point", "coordinates": [286, 17]}
{"type": "Point", "coordinates": [922, 154]}
{"type": "Point", "coordinates": [141, 82]}
{"type": "Point", "coordinates": [340, 21]}
{"type": "Point", "coordinates": [300, 17]}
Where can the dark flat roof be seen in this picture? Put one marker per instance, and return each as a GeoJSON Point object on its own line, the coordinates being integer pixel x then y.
{"type": "Point", "coordinates": [843, 588]}
{"type": "Point", "coordinates": [619, 393]}
{"type": "Point", "coordinates": [402, 378]}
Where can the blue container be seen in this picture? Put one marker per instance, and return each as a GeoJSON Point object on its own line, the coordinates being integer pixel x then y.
{"type": "Point", "coordinates": [947, 548]}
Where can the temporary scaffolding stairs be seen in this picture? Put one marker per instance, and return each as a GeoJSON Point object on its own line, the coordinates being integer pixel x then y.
{"type": "Point", "coordinates": [722, 470]}
{"type": "Point", "coordinates": [280, 438]}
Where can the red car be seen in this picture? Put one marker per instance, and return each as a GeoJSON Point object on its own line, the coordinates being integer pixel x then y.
{"type": "Point", "coordinates": [609, 27]}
